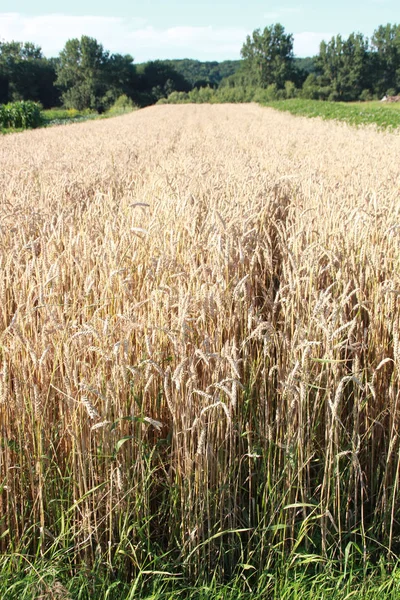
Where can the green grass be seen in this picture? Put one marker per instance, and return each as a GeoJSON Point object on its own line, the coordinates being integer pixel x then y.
{"type": "Point", "coordinates": [29, 578]}
{"type": "Point", "coordinates": [5, 130]}
{"type": "Point", "coordinates": [384, 116]}
{"type": "Point", "coordinates": [58, 116]}
{"type": "Point", "coordinates": [62, 116]}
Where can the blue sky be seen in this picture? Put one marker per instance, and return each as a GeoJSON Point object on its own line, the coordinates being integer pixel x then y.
{"type": "Point", "coordinates": [206, 30]}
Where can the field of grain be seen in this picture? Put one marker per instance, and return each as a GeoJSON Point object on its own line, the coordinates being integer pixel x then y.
{"type": "Point", "coordinates": [199, 340]}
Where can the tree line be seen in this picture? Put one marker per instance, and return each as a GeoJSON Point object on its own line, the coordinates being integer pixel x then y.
{"type": "Point", "coordinates": [353, 68]}
{"type": "Point", "coordinates": [86, 76]}
{"type": "Point", "coordinates": [83, 76]}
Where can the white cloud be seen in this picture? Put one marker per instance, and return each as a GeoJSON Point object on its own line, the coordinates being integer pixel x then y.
{"type": "Point", "coordinates": [271, 16]}
{"type": "Point", "coordinates": [141, 40]}
{"type": "Point", "coordinates": [307, 43]}
{"type": "Point", "coordinates": [291, 10]}
{"type": "Point", "coordinates": [206, 41]}
{"type": "Point", "coordinates": [131, 36]}
{"type": "Point", "coordinates": [282, 12]}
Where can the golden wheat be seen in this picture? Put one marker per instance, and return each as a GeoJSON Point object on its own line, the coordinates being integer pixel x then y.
{"type": "Point", "coordinates": [199, 332]}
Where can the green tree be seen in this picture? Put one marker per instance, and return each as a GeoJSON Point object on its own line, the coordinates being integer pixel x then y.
{"type": "Point", "coordinates": [344, 66]}
{"type": "Point", "coordinates": [386, 58]}
{"type": "Point", "coordinates": [268, 56]}
{"type": "Point", "coordinates": [81, 73]}
{"type": "Point", "coordinates": [121, 76]}
{"type": "Point", "coordinates": [157, 79]}
{"type": "Point", "coordinates": [241, 78]}
{"type": "Point", "coordinates": [207, 73]}
{"type": "Point", "coordinates": [25, 74]}
{"type": "Point", "coordinates": [90, 77]}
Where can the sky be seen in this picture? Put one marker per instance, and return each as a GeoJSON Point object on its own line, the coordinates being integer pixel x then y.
{"type": "Point", "coordinates": [200, 29]}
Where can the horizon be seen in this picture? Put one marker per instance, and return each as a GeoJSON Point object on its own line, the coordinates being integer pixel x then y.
{"type": "Point", "coordinates": [94, 27]}
{"type": "Point", "coordinates": [174, 31]}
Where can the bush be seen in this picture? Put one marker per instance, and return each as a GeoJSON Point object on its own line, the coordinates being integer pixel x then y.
{"type": "Point", "coordinates": [310, 88]}
{"type": "Point", "coordinates": [314, 88]}
{"type": "Point", "coordinates": [202, 95]}
{"type": "Point", "coordinates": [21, 115]}
{"type": "Point", "coordinates": [325, 92]}
{"type": "Point", "coordinates": [271, 92]}
{"type": "Point", "coordinates": [228, 94]}
{"type": "Point", "coordinates": [366, 95]}
{"type": "Point", "coordinates": [211, 96]}
{"type": "Point", "coordinates": [260, 95]}
{"type": "Point", "coordinates": [237, 94]}
{"type": "Point", "coordinates": [178, 98]}
{"type": "Point", "coordinates": [122, 105]}
{"type": "Point", "coordinates": [334, 96]}
{"type": "Point", "coordinates": [290, 89]}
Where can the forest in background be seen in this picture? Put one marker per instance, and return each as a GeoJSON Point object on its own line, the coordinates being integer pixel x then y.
{"type": "Point", "coordinates": [86, 76]}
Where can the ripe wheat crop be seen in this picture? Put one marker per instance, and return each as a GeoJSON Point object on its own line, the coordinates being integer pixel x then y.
{"type": "Point", "coordinates": [199, 339]}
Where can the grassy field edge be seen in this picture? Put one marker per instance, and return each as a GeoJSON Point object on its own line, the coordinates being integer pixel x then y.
{"type": "Point", "coordinates": [28, 578]}
{"type": "Point", "coordinates": [383, 116]}
{"type": "Point", "coordinates": [355, 113]}
{"type": "Point", "coordinates": [63, 116]}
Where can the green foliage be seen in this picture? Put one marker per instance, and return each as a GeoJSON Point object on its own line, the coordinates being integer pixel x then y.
{"type": "Point", "coordinates": [89, 77]}
{"type": "Point", "coordinates": [290, 89]}
{"type": "Point", "coordinates": [234, 95]}
{"type": "Point", "coordinates": [156, 80]}
{"type": "Point", "coordinates": [271, 93]}
{"type": "Point", "coordinates": [60, 113]}
{"type": "Point", "coordinates": [25, 74]}
{"type": "Point", "coordinates": [20, 115]}
{"type": "Point", "coordinates": [344, 66]}
{"type": "Point", "coordinates": [353, 68]}
{"type": "Point", "coordinates": [52, 576]}
{"type": "Point", "coordinates": [268, 56]}
{"type": "Point", "coordinates": [360, 113]}
{"type": "Point", "coordinates": [122, 105]}
{"type": "Point", "coordinates": [175, 98]}
{"type": "Point", "coordinates": [366, 96]}
{"type": "Point", "coordinates": [63, 116]}
{"type": "Point", "coordinates": [305, 65]}
{"type": "Point", "coordinates": [241, 78]}
{"type": "Point", "coordinates": [228, 94]}
{"type": "Point", "coordinates": [81, 73]}
{"type": "Point", "coordinates": [85, 76]}
{"type": "Point", "coordinates": [202, 96]}
{"type": "Point", "coordinates": [201, 74]}
{"type": "Point", "coordinates": [386, 58]}
{"type": "Point", "coordinates": [121, 78]}
{"type": "Point", "coordinates": [311, 88]}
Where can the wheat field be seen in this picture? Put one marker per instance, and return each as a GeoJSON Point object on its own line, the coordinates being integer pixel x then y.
{"type": "Point", "coordinates": [199, 339]}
